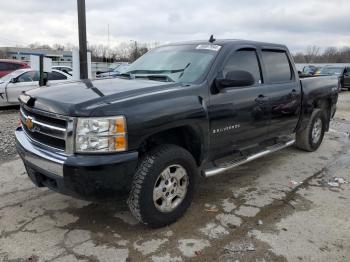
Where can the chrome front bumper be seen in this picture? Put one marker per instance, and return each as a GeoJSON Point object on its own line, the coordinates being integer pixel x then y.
{"type": "Point", "coordinates": [88, 177]}
{"type": "Point", "coordinates": [38, 157]}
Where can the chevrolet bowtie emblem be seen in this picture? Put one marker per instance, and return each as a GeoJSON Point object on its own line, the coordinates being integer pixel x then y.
{"type": "Point", "coordinates": [29, 123]}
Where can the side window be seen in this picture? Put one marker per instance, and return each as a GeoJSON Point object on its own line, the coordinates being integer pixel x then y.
{"type": "Point", "coordinates": [277, 66]}
{"type": "Point", "coordinates": [29, 77]}
{"type": "Point", "coordinates": [246, 60]}
{"type": "Point", "coordinates": [56, 76]}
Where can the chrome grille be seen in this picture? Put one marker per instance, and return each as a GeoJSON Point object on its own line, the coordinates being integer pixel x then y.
{"type": "Point", "coordinates": [48, 130]}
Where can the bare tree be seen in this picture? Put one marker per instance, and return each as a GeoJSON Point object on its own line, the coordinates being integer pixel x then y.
{"type": "Point", "coordinates": [37, 45]}
{"type": "Point", "coordinates": [329, 55]}
{"type": "Point", "coordinates": [299, 57]}
{"type": "Point", "coordinates": [58, 47]}
{"type": "Point", "coordinates": [311, 54]}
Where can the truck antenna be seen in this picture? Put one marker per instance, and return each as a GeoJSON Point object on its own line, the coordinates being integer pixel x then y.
{"type": "Point", "coordinates": [212, 39]}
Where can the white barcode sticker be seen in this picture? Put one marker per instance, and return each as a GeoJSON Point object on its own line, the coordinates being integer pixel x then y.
{"type": "Point", "coordinates": [209, 47]}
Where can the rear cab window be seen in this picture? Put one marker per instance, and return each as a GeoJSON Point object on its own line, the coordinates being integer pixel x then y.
{"type": "Point", "coordinates": [277, 66]}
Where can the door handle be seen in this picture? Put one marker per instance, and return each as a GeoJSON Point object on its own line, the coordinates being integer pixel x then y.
{"type": "Point", "coordinates": [294, 93]}
{"type": "Point", "coordinates": [261, 99]}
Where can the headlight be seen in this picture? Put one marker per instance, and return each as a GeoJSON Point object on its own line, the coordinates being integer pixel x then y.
{"type": "Point", "coordinates": [101, 134]}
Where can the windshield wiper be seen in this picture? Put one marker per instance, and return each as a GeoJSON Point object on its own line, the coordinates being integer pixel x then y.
{"type": "Point", "coordinates": [126, 75]}
{"type": "Point", "coordinates": [163, 71]}
{"type": "Point", "coordinates": [161, 78]}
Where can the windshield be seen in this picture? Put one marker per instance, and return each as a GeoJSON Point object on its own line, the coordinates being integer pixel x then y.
{"type": "Point", "coordinates": [121, 68]}
{"type": "Point", "coordinates": [14, 74]}
{"type": "Point", "coordinates": [182, 63]}
{"type": "Point", "coordinates": [331, 71]}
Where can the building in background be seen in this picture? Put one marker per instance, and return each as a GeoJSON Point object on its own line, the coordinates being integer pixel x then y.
{"type": "Point", "coordinates": [23, 54]}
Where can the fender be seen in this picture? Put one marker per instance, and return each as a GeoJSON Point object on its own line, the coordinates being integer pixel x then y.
{"type": "Point", "coordinates": [187, 111]}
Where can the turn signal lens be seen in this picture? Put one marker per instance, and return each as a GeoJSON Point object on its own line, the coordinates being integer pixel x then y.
{"type": "Point", "coordinates": [120, 125]}
{"type": "Point", "coordinates": [120, 143]}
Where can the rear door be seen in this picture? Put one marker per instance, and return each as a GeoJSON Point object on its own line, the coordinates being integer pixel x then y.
{"type": "Point", "coordinates": [284, 92]}
{"type": "Point", "coordinates": [24, 82]}
{"type": "Point", "coordinates": [346, 84]}
{"type": "Point", "coordinates": [238, 115]}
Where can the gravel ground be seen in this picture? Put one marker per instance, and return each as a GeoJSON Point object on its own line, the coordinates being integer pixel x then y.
{"type": "Point", "coordinates": [8, 124]}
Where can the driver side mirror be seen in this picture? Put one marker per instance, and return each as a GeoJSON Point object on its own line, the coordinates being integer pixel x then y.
{"type": "Point", "coordinates": [14, 80]}
{"type": "Point", "coordinates": [237, 78]}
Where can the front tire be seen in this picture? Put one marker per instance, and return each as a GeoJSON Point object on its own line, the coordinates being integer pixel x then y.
{"type": "Point", "coordinates": [163, 186]}
{"type": "Point", "coordinates": [311, 137]}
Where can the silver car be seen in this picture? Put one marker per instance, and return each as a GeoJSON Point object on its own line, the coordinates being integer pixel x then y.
{"type": "Point", "coordinates": [19, 81]}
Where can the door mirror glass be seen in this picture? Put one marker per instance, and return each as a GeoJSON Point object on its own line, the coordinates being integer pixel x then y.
{"type": "Point", "coordinates": [237, 78]}
{"type": "Point", "coordinates": [13, 80]}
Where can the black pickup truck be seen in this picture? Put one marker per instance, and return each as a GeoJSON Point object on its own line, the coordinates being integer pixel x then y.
{"type": "Point", "coordinates": [179, 111]}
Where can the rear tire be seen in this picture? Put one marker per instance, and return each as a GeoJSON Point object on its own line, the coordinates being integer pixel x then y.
{"type": "Point", "coordinates": [163, 186]}
{"type": "Point", "coordinates": [311, 137]}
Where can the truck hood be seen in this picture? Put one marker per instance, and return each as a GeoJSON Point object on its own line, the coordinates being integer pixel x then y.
{"type": "Point", "coordinates": [80, 98]}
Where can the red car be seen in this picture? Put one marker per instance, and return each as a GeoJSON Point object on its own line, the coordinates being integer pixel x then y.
{"type": "Point", "coordinates": [8, 66]}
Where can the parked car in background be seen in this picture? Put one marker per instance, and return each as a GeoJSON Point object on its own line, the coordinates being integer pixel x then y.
{"type": "Point", "coordinates": [66, 69]}
{"type": "Point", "coordinates": [311, 70]}
{"type": "Point", "coordinates": [19, 81]}
{"type": "Point", "coordinates": [111, 68]}
{"type": "Point", "coordinates": [318, 71]}
{"type": "Point", "coordinates": [116, 72]}
{"type": "Point", "coordinates": [8, 66]}
{"type": "Point", "coordinates": [342, 72]}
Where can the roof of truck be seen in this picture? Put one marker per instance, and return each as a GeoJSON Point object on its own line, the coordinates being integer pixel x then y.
{"type": "Point", "coordinates": [224, 42]}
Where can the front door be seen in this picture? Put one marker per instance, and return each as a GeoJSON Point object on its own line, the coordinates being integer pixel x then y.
{"type": "Point", "coordinates": [239, 115]}
{"type": "Point", "coordinates": [23, 83]}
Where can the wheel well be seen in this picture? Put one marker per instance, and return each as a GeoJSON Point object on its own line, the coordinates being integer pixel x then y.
{"type": "Point", "coordinates": [325, 106]}
{"type": "Point", "coordinates": [184, 136]}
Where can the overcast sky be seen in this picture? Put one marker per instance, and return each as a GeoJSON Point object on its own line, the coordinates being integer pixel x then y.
{"type": "Point", "coordinates": [297, 23]}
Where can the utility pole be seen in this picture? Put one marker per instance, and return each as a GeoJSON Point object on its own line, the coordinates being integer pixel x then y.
{"type": "Point", "coordinates": [42, 81]}
{"type": "Point", "coordinates": [82, 39]}
{"type": "Point", "coordinates": [108, 46]}
{"type": "Point", "coordinates": [108, 35]}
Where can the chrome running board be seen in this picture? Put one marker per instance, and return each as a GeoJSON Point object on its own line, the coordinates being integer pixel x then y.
{"type": "Point", "coordinates": [230, 165]}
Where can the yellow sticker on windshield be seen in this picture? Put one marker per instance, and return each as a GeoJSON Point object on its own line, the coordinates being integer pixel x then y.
{"type": "Point", "coordinates": [209, 47]}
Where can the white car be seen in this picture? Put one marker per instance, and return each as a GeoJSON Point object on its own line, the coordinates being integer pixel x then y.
{"type": "Point", "coordinates": [22, 80]}
{"type": "Point", "coordinates": [65, 69]}
{"type": "Point", "coordinates": [115, 72]}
